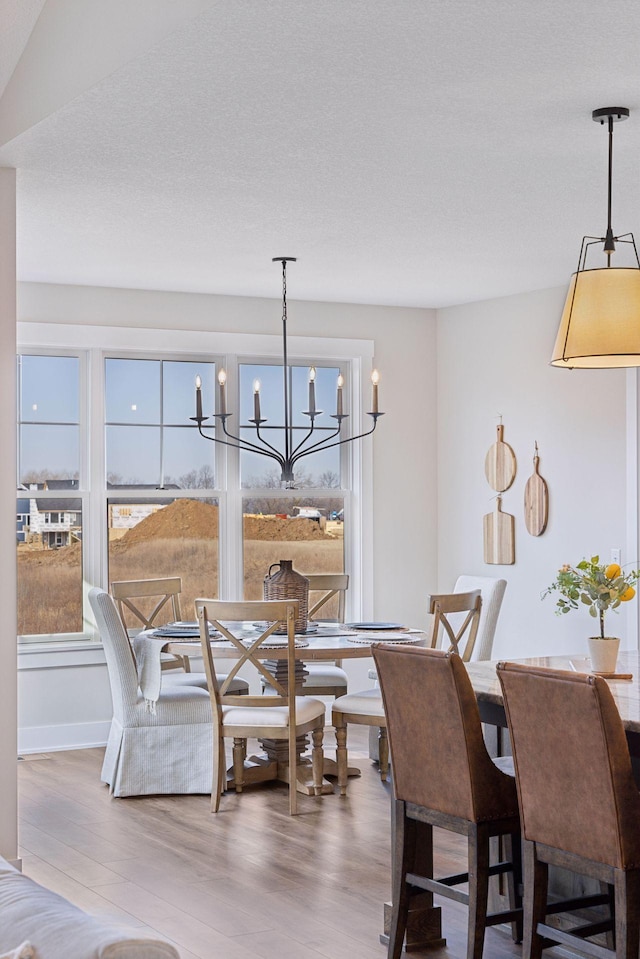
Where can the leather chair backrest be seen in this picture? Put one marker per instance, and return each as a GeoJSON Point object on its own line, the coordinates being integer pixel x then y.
{"type": "Point", "coordinates": [573, 769]}
{"type": "Point", "coordinates": [439, 757]}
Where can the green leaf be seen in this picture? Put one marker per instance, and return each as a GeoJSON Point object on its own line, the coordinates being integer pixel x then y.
{"type": "Point", "coordinates": [592, 611]}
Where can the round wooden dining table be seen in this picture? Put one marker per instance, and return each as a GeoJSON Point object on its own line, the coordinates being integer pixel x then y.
{"type": "Point", "coordinates": [328, 644]}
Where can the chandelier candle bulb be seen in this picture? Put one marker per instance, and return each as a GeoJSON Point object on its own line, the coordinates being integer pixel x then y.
{"type": "Point", "coordinates": [256, 400]}
{"type": "Point", "coordinates": [199, 415]}
{"type": "Point", "coordinates": [222, 382]}
{"type": "Point", "coordinates": [312, 391]}
{"type": "Point", "coordinates": [375, 379]}
{"type": "Point", "coordinates": [339, 396]}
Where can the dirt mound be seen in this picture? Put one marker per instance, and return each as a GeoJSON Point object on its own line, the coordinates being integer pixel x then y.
{"type": "Point", "coordinates": [282, 530]}
{"type": "Point", "coordinates": [192, 519]}
{"type": "Point", "coordinates": [182, 518]}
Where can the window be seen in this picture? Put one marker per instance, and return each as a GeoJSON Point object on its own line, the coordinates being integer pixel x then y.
{"type": "Point", "coordinates": [116, 483]}
{"type": "Point", "coordinates": [150, 538]}
{"type": "Point", "coordinates": [306, 530]}
{"type": "Point", "coordinates": [49, 524]}
{"type": "Point", "coordinates": [149, 439]}
{"type": "Point", "coordinates": [321, 469]}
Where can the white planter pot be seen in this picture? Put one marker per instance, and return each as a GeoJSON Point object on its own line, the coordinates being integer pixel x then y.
{"type": "Point", "coordinates": [604, 654]}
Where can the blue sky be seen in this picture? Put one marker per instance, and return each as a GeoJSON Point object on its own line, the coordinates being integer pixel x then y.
{"type": "Point", "coordinates": [148, 405]}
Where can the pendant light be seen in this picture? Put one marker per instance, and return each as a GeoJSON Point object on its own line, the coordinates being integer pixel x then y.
{"type": "Point", "coordinates": [600, 324]}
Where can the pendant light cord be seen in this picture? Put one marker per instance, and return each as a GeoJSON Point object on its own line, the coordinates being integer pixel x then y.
{"type": "Point", "coordinates": [609, 242]}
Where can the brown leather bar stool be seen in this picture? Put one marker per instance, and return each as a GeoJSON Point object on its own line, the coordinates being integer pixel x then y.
{"type": "Point", "coordinates": [443, 776]}
{"type": "Point", "coordinates": [579, 804]}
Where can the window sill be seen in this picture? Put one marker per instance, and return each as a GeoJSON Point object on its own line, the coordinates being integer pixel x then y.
{"type": "Point", "coordinates": [60, 655]}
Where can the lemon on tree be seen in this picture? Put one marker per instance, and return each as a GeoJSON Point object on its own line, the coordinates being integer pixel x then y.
{"type": "Point", "coordinates": [595, 585]}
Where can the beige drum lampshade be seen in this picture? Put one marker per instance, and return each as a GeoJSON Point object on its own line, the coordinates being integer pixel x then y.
{"type": "Point", "coordinates": [600, 325]}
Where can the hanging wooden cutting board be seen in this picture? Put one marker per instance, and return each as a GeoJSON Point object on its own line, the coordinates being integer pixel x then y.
{"type": "Point", "coordinates": [536, 500]}
{"type": "Point", "coordinates": [500, 463]}
{"type": "Point", "coordinates": [499, 538]}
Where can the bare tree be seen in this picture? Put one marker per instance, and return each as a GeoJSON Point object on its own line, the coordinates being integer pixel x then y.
{"type": "Point", "coordinates": [328, 480]}
{"type": "Point", "coordinates": [201, 478]}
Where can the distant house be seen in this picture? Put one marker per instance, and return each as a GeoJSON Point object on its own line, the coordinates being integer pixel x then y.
{"type": "Point", "coordinates": [23, 516]}
{"type": "Point", "coordinates": [53, 522]}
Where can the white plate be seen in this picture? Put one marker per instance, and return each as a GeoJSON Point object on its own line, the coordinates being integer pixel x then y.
{"type": "Point", "coordinates": [376, 626]}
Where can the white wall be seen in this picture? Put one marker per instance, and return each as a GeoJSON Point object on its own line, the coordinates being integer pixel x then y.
{"type": "Point", "coordinates": [404, 468]}
{"type": "Point", "coordinates": [493, 357]}
{"type": "Point", "coordinates": [8, 766]}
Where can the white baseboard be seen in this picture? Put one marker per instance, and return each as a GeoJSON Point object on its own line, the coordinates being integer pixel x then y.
{"type": "Point", "coordinates": [48, 739]}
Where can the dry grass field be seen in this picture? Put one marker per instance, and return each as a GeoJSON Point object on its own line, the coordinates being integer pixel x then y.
{"type": "Point", "coordinates": [179, 540]}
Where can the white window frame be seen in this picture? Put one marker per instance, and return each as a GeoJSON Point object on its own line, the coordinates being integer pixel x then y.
{"type": "Point", "coordinates": [229, 350]}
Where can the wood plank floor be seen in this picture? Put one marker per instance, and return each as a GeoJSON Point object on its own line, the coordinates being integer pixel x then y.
{"type": "Point", "coordinates": [248, 883]}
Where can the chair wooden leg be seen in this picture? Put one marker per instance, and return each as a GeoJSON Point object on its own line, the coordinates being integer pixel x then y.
{"type": "Point", "coordinates": [478, 889]}
{"type": "Point", "coordinates": [239, 754]}
{"type": "Point", "coordinates": [383, 747]}
{"type": "Point", "coordinates": [403, 851]}
{"type": "Point", "coordinates": [341, 754]}
{"type": "Point", "coordinates": [317, 759]}
{"type": "Point", "coordinates": [293, 769]}
{"type": "Point", "coordinates": [536, 877]}
{"type": "Point", "coordinates": [186, 664]}
{"type": "Point", "coordinates": [513, 850]}
{"type": "Point", "coordinates": [610, 936]}
{"type": "Point", "coordinates": [627, 899]}
{"type": "Point", "coordinates": [218, 779]}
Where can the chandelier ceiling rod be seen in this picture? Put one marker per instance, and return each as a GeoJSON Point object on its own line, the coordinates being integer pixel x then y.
{"type": "Point", "coordinates": [307, 445]}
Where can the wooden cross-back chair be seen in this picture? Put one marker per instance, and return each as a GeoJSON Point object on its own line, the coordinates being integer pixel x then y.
{"type": "Point", "coordinates": [444, 605]}
{"type": "Point", "coordinates": [325, 679]}
{"type": "Point", "coordinates": [330, 585]}
{"type": "Point", "coordinates": [278, 714]}
{"type": "Point", "coordinates": [365, 708]}
{"type": "Point", "coordinates": [166, 591]}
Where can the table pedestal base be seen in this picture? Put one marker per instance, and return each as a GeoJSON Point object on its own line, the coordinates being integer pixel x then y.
{"type": "Point", "coordinates": [331, 768]}
{"type": "Point", "coordinates": [277, 751]}
{"type": "Point", "coordinates": [275, 765]}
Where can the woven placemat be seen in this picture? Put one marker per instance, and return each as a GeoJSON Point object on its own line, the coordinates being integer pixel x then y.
{"type": "Point", "coordinates": [275, 643]}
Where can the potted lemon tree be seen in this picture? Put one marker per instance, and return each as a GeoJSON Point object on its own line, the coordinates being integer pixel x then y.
{"type": "Point", "coordinates": [598, 587]}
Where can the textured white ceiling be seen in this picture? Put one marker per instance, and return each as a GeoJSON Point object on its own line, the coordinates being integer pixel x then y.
{"type": "Point", "coordinates": [407, 152]}
{"type": "Point", "coordinates": [17, 19]}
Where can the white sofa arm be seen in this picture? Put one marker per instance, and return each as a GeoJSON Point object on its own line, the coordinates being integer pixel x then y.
{"type": "Point", "coordinates": [58, 930]}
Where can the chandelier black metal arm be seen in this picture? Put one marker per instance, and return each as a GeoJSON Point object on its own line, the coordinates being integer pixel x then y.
{"type": "Point", "coordinates": [293, 452]}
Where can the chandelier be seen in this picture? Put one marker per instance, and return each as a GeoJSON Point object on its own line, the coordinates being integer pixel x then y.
{"type": "Point", "coordinates": [292, 449]}
{"type": "Point", "coordinates": [600, 324]}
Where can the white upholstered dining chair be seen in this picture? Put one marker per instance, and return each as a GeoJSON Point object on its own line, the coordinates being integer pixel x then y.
{"type": "Point", "coordinates": [492, 592]}
{"type": "Point", "coordinates": [167, 750]}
